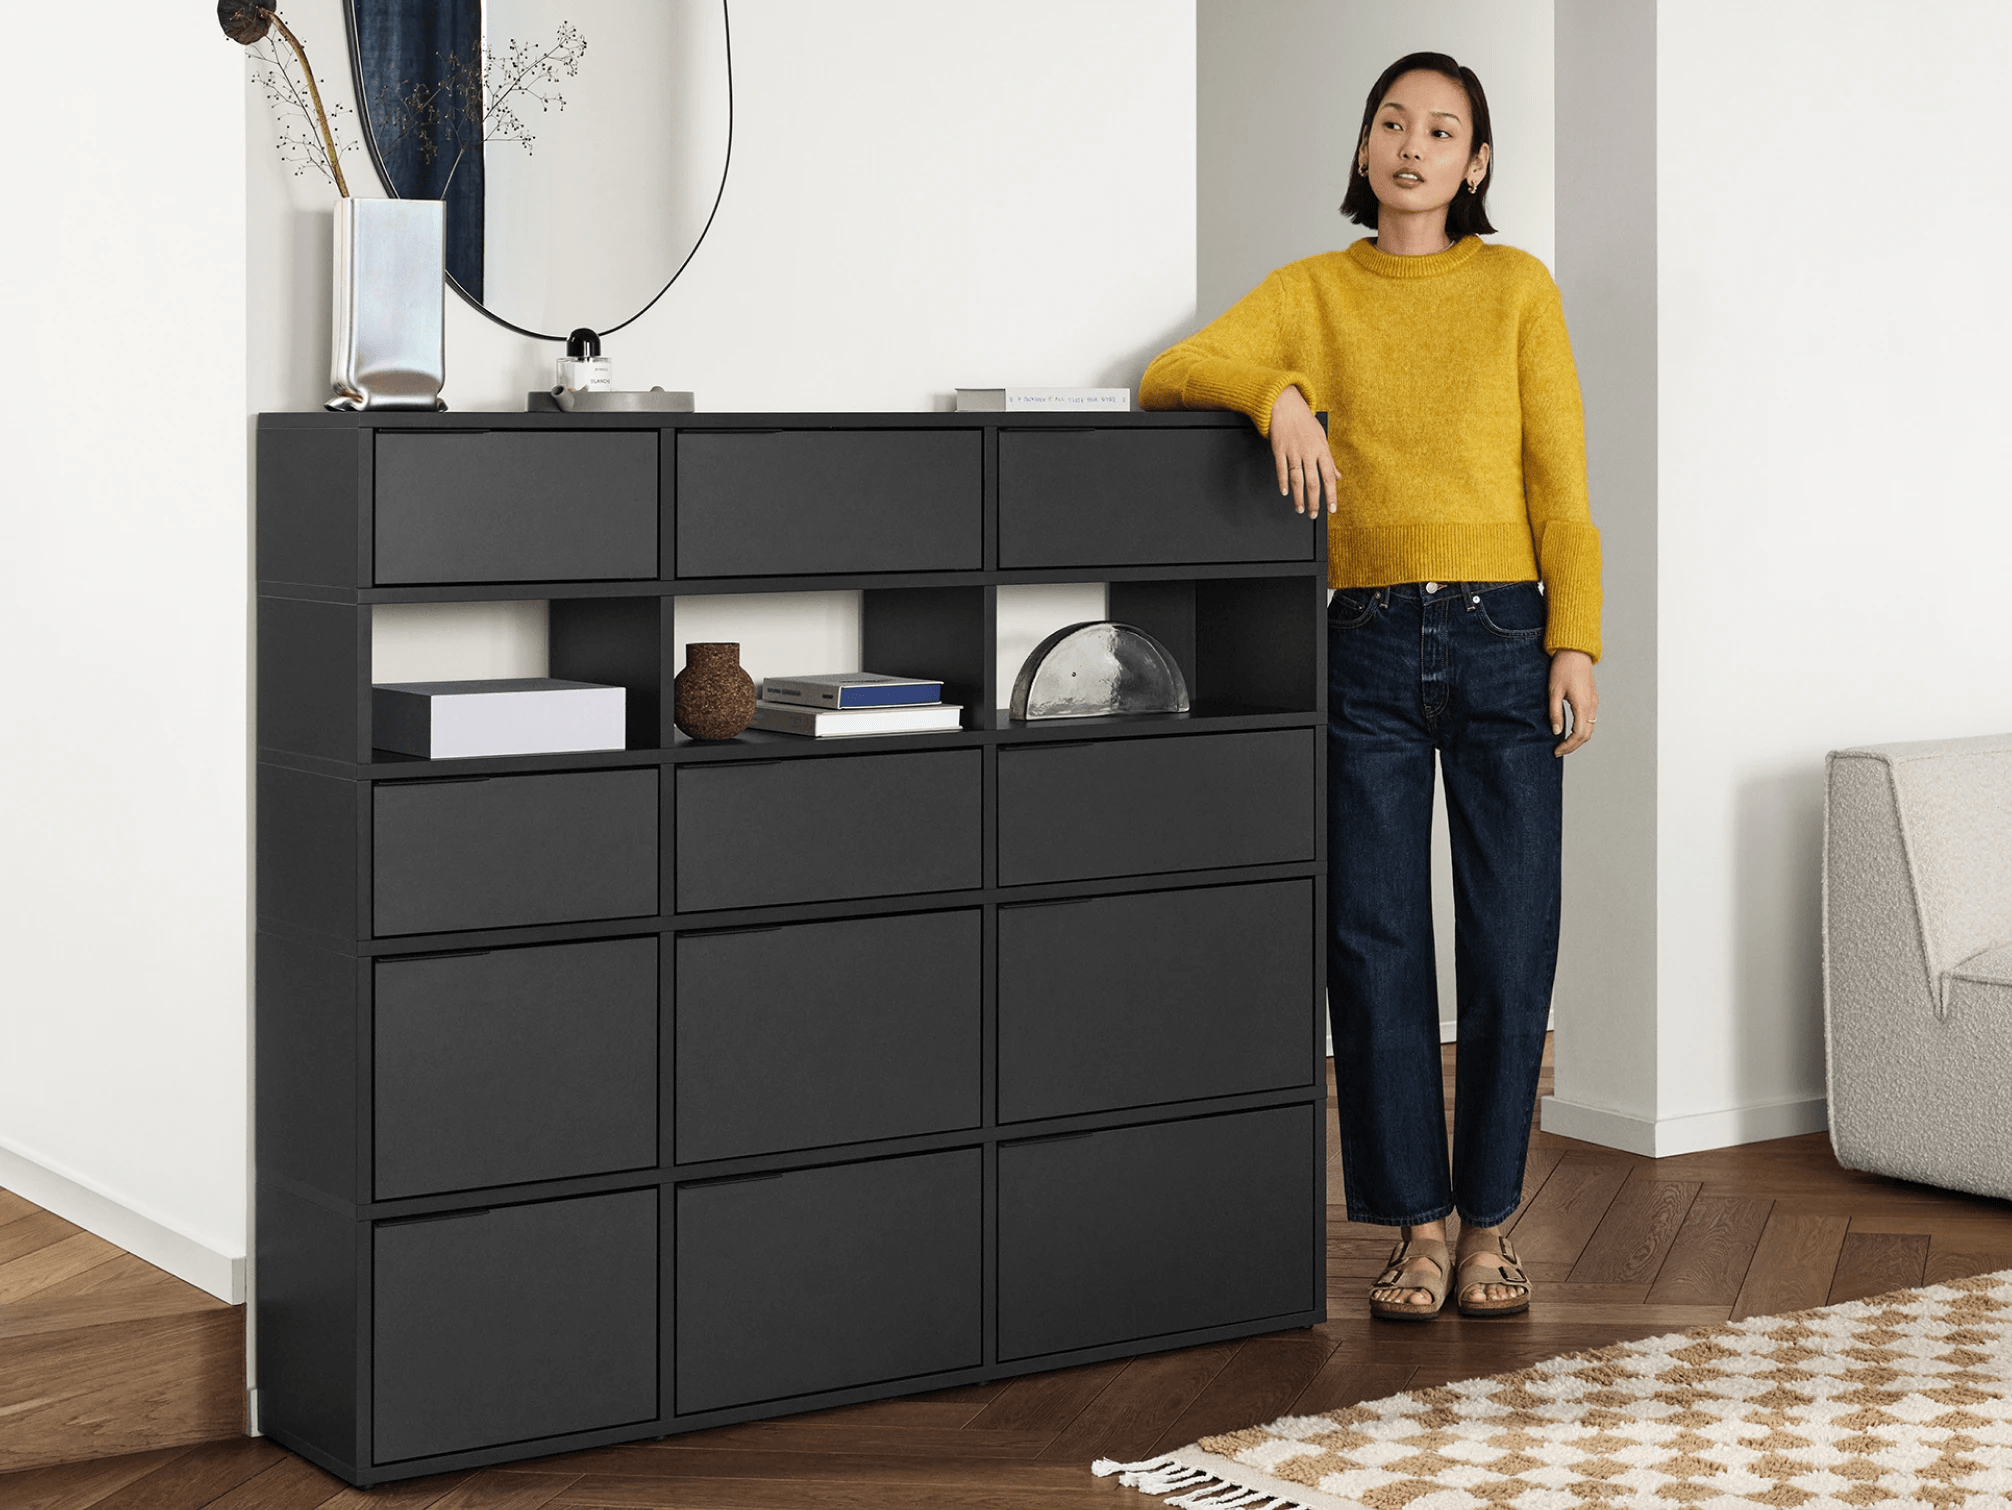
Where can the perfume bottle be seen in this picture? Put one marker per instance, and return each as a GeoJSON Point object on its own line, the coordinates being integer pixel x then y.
{"type": "Point", "coordinates": [583, 369]}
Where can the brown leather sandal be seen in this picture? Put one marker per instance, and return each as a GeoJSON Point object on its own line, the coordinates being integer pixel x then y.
{"type": "Point", "coordinates": [1396, 1276]}
{"type": "Point", "coordinates": [1469, 1275]}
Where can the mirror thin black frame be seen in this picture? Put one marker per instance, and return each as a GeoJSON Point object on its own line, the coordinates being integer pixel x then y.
{"type": "Point", "coordinates": [391, 189]}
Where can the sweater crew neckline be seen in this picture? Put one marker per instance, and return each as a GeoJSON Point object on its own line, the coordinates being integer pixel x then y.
{"type": "Point", "coordinates": [1432, 265]}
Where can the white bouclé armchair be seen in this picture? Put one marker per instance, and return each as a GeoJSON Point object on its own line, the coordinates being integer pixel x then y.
{"type": "Point", "coordinates": [1917, 961]}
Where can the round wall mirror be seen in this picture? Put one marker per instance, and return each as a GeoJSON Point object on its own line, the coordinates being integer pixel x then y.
{"type": "Point", "coordinates": [580, 148]}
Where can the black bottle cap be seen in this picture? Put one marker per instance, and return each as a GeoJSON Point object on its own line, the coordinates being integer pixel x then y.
{"type": "Point", "coordinates": [583, 343]}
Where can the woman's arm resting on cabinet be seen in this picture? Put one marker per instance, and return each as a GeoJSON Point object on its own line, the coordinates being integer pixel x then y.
{"type": "Point", "coordinates": [1299, 449]}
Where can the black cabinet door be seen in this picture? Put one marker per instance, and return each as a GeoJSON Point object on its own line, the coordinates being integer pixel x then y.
{"type": "Point", "coordinates": [1123, 1001]}
{"type": "Point", "coordinates": [513, 1324]}
{"type": "Point", "coordinates": [824, 1278]}
{"type": "Point", "coordinates": [514, 1065]}
{"type": "Point", "coordinates": [501, 851]}
{"type": "Point", "coordinates": [808, 502]}
{"type": "Point", "coordinates": [1136, 806]}
{"type": "Point", "coordinates": [823, 1033]}
{"type": "Point", "coordinates": [1119, 497]}
{"type": "Point", "coordinates": [516, 506]}
{"type": "Point", "coordinates": [1138, 1232]}
{"type": "Point", "coordinates": [752, 834]}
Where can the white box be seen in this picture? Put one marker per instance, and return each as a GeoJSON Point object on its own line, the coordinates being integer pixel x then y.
{"type": "Point", "coordinates": [532, 715]}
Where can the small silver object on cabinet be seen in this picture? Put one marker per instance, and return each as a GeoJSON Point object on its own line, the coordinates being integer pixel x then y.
{"type": "Point", "coordinates": [388, 350]}
{"type": "Point", "coordinates": [1096, 669]}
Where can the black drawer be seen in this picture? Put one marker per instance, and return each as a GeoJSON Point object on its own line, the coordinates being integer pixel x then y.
{"type": "Point", "coordinates": [762, 503]}
{"type": "Point", "coordinates": [824, 1033]}
{"type": "Point", "coordinates": [1112, 1002]}
{"type": "Point", "coordinates": [512, 1324]}
{"type": "Point", "coordinates": [501, 851]}
{"type": "Point", "coordinates": [516, 506]}
{"type": "Point", "coordinates": [821, 1279]}
{"type": "Point", "coordinates": [1140, 1231]}
{"type": "Point", "coordinates": [751, 834]}
{"type": "Point", "coordinates": [1144, 497]}
{"type": "Point", "coordinates": [1125, 807]}
{"type": "Point", "coordinates": [514, 1065]}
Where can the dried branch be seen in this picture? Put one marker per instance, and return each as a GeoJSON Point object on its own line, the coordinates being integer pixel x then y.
{"type": "Point", "coordinates": [477, 100]}
{"type": "Point", "coordinates": [301, 145]}
{"type": "Point", "coordinates": [247, 23]}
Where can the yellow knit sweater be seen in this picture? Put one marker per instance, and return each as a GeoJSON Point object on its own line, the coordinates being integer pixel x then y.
{"type": "Point", "coordinates": [1453, 415]}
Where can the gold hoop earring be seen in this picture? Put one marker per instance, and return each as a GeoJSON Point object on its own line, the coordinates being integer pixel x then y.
{"type": "Point", "coordinates": [1473, 186]}
{"type": "Point", "coordinates": [1361, 168]}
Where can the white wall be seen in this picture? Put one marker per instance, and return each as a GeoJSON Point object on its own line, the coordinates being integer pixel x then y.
{"type": "Point", "coordinates": [1280, 86]}
{"type": "Point", "coordinates": [123, 600]}
{"type": "Point", "coordinates": [1833, 427]}
{"type": "Point", "coordinates": [922, 197]}
{"type": "Point", "coordinates": [1832, 495]}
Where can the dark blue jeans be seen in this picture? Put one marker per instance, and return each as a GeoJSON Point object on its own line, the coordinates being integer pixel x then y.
{"type": "Point", "coordinates": [1456, 669]}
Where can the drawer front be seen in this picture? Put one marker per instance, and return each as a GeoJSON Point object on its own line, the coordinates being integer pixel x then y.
{"type": "Point", "coordinates": [509, 850]}
{"type": "Point", "coordinates": [1113, 1002]}
{"type": "Point", "coordinates": [823, 1033]}
{"type": "Point", "coordinates": [1085, 1256]}
{"type": "Point", "coordinates": [824, 501]}
{"type": "Point", "coordinates": [513, 1324]}
{"type": "Point", "coordinates": [516, 506]}
{"type": "Point", "coordinates": [821, 1279]}
{"type": "Point", "coordinates": [1144, 497]}
{"type": "Point", "coordinates": [1125, 807]}
{"type": "Point", "coordinates": [824, 828]}
{"type": "Point", "coordinates": [514, 1065]}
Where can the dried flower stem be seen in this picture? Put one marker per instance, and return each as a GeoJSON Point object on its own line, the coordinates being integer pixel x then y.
{"type": "Point", "coordinates": [327, 136]}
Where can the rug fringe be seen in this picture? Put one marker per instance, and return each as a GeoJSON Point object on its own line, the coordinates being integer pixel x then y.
{"type": "Point", "coordinates": [1204, 1491]}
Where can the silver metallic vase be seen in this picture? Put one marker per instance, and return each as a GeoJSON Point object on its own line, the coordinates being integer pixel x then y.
{"type": "Point", "coordinates": [389, 351]}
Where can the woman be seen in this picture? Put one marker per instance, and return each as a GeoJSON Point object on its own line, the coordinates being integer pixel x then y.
{"type": "Point", "coordinates": [1465, 621]}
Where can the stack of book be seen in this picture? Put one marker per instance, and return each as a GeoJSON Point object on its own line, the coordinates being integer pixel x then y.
{"type": "Point", "coordinates": [854, 702]}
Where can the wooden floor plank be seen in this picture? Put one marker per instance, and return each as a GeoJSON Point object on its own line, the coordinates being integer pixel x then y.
{"type": "Point", "coordinates": [199, 1477]}
{"type": "Point", "coordinates": [789, 1435]}
{"type": "Point", "coordinates": [27, 1234]}
{"type": "Point", "coordinates": [1963, 1258]}
{"type": "Point", "coordinates": [1709, 1258]}
{"type": "Point", "coordinates": [692, 1476]}
{"type": "Point", "coordinates": [38, 1270]}
{"type": "Point", "coordinates": [409, 1494]}
{"type": "Point", "coordinates": [1348, 1378]}
{"type": "Point", "coordinates": [1557, 1222]}
{"type": "Point", "coordinates": [946, 1415]}
{"type": "Point", "coordinates": [1137, 1406]}
{"type": "Point", "coordinates": [1047, 1402]}
{"type": "Point", "coordinates": [1633, 1239]}
{"type": "Point", "coordinates": [13, 1207]}
{"type": "Point", "coordinates": [1258, 1384]}
{"type": "Point", "coordinates": [290, 1484]}
{"type": "Point", "coordinates": [1793, 1264]}
{"type": "Point", "coordinates": [496, 1489]}
{"type": "Point", "coordinates": [1872, 1263]}
{"type": "Point", "coordinates": [78, 1486]}
{"type": "Point", "coordinates": [163, 1381]}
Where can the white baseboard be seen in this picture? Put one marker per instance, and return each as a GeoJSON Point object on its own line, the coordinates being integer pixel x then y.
{"type": "Point", "coordinates": [1668, 1136]}
{"type": "Point", "coordinates": [76, 1199]}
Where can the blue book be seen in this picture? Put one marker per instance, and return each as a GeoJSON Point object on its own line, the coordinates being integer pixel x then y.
{"type": "Point", "coordinates": [851, 689]}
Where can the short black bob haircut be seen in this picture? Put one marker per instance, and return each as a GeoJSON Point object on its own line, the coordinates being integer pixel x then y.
{"type": "Point", "coordinates": [1468, 214]}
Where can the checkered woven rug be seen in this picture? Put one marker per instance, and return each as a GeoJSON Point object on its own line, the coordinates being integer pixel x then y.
{"type": "Point", "coordinates": [1904, 1399]}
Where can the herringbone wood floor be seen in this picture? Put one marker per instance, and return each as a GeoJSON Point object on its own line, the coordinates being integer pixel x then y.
{"type": "Point", "coordinates": [1621, 1247]}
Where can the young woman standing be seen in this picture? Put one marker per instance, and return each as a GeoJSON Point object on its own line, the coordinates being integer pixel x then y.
{"type": "Point", "coordinates": [1464, 624]}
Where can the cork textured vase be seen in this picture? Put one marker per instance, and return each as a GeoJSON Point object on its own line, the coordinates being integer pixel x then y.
{"type": "Point", "coordinates": [712, 697]}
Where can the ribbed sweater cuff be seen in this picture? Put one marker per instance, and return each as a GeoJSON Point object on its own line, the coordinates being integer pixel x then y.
{"type": "Point", "coordinates": [1250, 390]}
{"type": "Point", "coordinates": [1569, 557]}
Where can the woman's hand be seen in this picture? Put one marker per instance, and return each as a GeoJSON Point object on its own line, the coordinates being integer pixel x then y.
{"type": "Point", "coordinates": [1572, 682]}
{"type": "Point", "coordinates": [1299, 446]}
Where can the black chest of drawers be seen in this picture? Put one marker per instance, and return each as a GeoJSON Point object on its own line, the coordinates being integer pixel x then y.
{"type": "Point", "coordinates": [601, 1097]}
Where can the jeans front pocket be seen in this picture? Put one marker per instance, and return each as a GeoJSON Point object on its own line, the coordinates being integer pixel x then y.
{"type": "Point", "coordinates": [1350, 607]}
{"type": "Point", "coordinates": [1514, 611]}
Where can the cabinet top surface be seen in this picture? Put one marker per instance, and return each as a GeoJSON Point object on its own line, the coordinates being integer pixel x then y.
{"type": "Point", "coordinates": [389, 419]}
